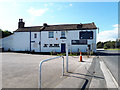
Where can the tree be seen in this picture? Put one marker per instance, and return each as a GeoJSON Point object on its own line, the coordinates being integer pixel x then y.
{"type": "Point", "coordinates": [109, 44]}
{"type": "Point", "coordinates": [4, 33]}
{"type": "Point", "coordinates": [100, 45]}
{"type": "Point", "coordinates": [106, 46]}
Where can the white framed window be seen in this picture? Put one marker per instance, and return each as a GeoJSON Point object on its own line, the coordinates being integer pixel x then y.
{"type": "Point", "coordinates": [51, 34]}
{"type": "Point", "coordinates": [62, 33]}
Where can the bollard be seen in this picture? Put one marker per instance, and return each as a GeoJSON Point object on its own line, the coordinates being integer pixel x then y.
{"type": "Point", "coordinates": [80, 56]}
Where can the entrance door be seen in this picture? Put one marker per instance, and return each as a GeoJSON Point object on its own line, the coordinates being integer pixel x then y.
{"type": "Point", "coordinates": [63, 48]}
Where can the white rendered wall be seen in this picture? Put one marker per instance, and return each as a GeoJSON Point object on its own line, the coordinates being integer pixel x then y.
{"type": "Point", "coordinates": [0, 42]}
{"type": "Point", "coordinates": [7, 43]}
{"type": "Point", "coordinates": [72, 35]}
{"type": "Point", "coordinates": [21, 41]}
{"type": "Point", "coordinates": [46, 40]}
{"type": "Point", "coordinates": [35, 41]}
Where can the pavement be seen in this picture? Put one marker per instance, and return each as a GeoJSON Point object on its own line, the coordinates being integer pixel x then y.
{"type": "Point", "coordinates": [22, 71]}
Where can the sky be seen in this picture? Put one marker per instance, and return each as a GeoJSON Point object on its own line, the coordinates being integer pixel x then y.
{"type": "Point", "coordinates": [103, 14]}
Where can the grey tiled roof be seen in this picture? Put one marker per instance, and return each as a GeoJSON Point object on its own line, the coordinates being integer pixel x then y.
{"type": "Point", "coordinates": [61, 27]}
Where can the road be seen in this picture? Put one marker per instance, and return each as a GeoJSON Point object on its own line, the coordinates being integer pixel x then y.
{"type": "Point", "coordinates": [111, 59]}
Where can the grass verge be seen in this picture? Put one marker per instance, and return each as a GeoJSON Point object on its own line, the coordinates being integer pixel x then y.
{"type": "Point", "coordinates": [113, 49]}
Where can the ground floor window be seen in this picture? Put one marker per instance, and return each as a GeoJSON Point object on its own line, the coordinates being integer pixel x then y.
{"type": "Point", "coordinates": [79, 42]}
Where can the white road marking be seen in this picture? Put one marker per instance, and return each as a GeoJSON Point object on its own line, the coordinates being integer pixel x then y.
{"type": "Point", "coordinates": [110, 80]}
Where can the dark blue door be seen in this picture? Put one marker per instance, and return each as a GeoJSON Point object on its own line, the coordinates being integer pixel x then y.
{"type": "Point", "coordinates": [62, 48]}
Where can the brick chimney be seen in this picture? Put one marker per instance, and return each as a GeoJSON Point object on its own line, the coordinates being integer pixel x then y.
{"type": "Point", "coordinates": [21, 23]}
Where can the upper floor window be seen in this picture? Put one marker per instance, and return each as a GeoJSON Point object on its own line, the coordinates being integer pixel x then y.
{"type": "Point", "coordinates": [62, 33]}
{"type": "Point", "coordinates": [35, 35]}
{"type": "Point", "coordinates": [51, 34]}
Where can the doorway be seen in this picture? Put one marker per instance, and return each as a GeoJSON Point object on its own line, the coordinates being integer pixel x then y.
{"type": "Point", "coordinates": [63, 48]}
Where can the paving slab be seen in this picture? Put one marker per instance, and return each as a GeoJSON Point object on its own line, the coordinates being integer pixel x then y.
{"type": "Point", "coordinates": [77, 78]}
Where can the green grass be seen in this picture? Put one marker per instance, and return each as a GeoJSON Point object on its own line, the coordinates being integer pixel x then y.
{"type": "Point", "coordinates": [113, 49]}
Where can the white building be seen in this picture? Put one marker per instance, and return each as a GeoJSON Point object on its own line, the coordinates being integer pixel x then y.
{"type": "Point", "coordinates": [52, 38]}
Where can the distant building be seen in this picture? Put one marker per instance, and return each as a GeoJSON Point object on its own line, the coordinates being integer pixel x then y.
{"type": "Point", "coordinates": [52, 38]}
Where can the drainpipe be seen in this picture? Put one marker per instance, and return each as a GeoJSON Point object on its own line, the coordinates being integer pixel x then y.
{"type": "Point", "coordinates": [40, 41]}
{"type": "Point", "coordinates": [30, 41]}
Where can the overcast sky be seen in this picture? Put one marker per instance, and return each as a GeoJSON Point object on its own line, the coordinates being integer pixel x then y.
{"type": "Point", "coordinates": [103, 14]}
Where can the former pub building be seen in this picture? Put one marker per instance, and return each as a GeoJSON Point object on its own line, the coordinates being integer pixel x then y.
{"type": "Point", "coordinates": [52, 38]}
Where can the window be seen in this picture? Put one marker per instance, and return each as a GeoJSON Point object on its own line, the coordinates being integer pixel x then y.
{"type": "Point", "coordinates": [62, 33]}
{"type": "Point", "coordinates": [86, 35]}
{"type": "Point", "coordinates": [51, 34]}
{"type": "Point", "coordinates": [79, 42]}
{"type": "Point", "coordinates": [35, 35]}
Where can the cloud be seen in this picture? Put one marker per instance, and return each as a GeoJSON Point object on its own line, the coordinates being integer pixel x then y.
{"type": "Point", "coordinates": [108, 34]}
{"type": "Point", "coordinates": [37, 12]}
{"type": "Point", "coordinates": [49, 4]}
{"type": "Point", "coordinates": [70, 4]}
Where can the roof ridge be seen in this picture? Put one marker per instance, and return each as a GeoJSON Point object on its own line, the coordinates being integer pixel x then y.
{"type": "Point", "coordinates": [80, 26]}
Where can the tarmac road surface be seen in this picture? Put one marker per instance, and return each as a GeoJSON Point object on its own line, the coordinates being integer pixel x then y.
{"type": "Point", "coordinates": [112, 59]}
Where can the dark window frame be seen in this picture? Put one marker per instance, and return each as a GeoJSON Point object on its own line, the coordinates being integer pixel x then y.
{"type": "Point", "coordinates": [79, 42]}
{"type": "Point", "coordinates": [86, 35]}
